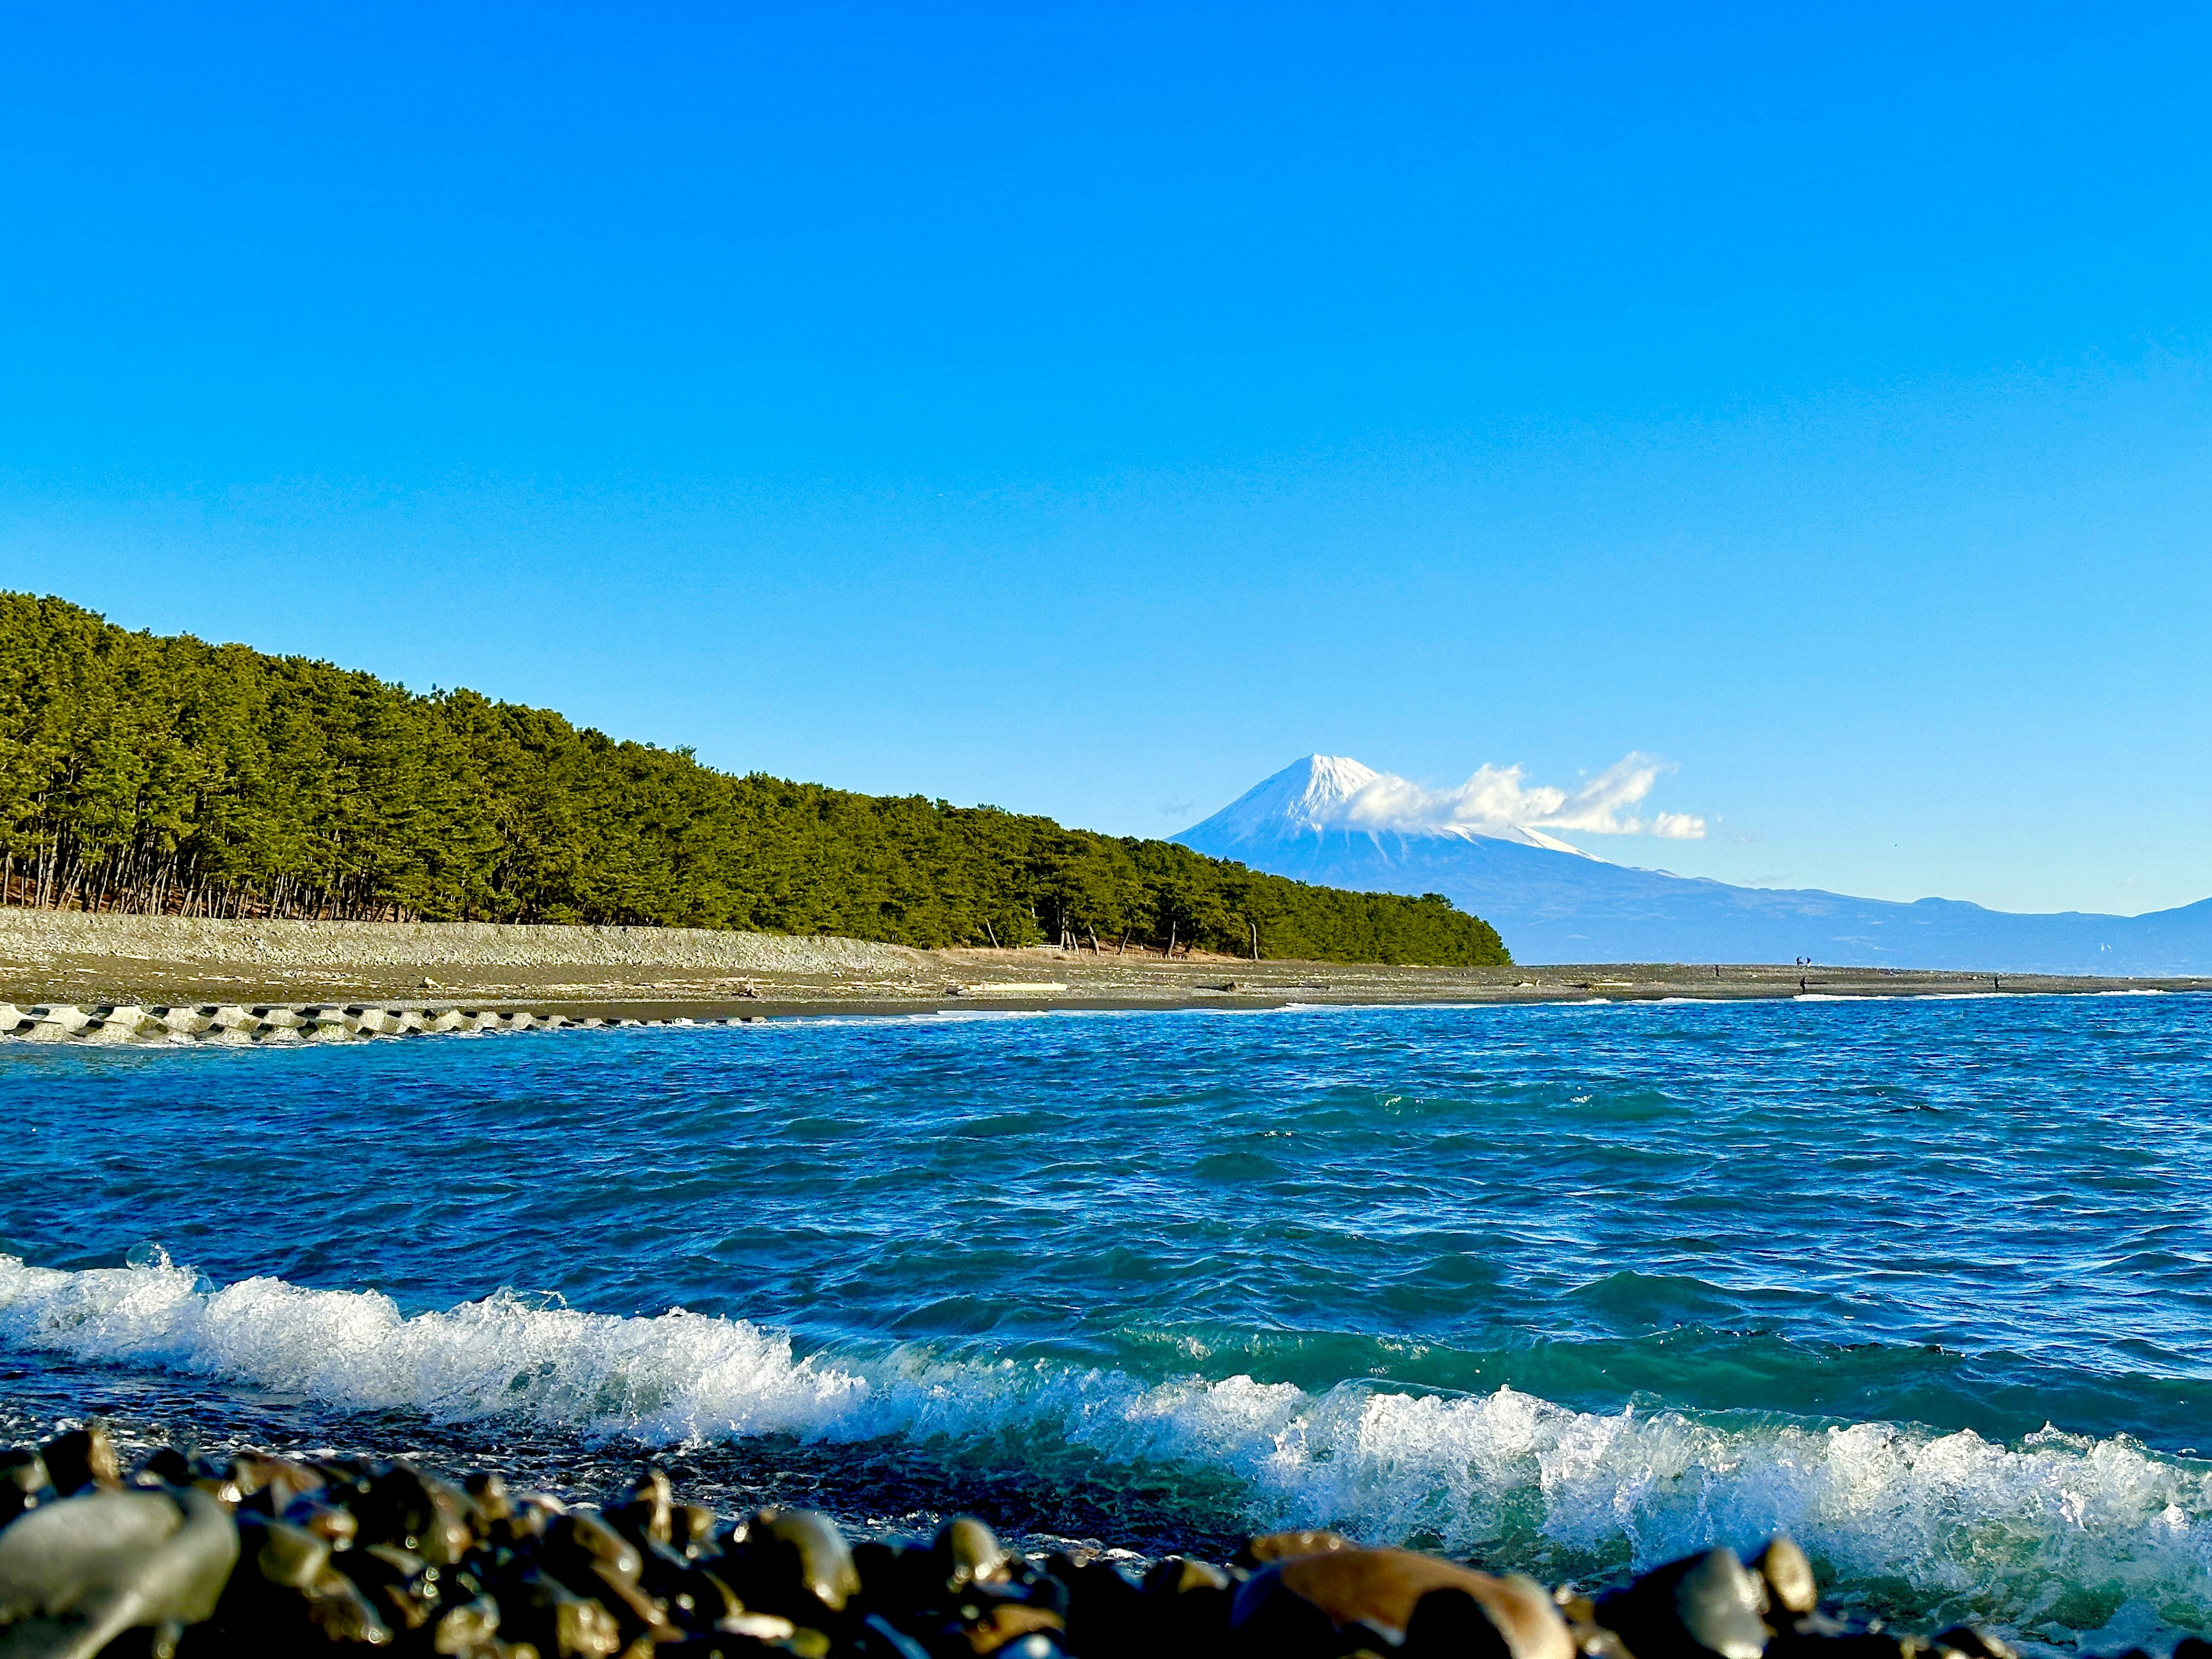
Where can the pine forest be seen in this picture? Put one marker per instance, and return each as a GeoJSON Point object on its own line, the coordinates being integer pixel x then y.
{"type": "Point", "coordinates": [161, 774]}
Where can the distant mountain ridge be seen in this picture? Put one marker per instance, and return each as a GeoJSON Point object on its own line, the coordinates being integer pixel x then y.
{"type": "Point", "coordinates": [1552, 902]}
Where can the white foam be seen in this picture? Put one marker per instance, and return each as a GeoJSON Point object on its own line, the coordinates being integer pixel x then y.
{"type": "Point", "coordinates": [1977, 1528]}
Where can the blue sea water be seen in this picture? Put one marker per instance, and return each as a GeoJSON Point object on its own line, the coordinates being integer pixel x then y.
{"type": "Point", "coordinates": [1927, 1284]}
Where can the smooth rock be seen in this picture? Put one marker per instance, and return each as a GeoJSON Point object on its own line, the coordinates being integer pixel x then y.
{"type": "Point", "coordinates": [1291, 1605]}
{"type": "Point", "coordinates": [970, 1551]}
{"type": "Point", "coordinates": [467, 1629]}
{"type": "Point", "coordinates": [285, 1554]}
{"type": "Point", "coordinates": [416, 1512]}
{"type": "Point", "coordinates": [1284, 1545]}
{"type": "Point", "coordinates": [1791, 1589]}
{"type": "Point", "coordinates": [79, 1458]}
{"type": "Point", "coordinates": [76, 1574]}
{"type": "Point", "coordinates": [555, 1620]}
{"type": "Point", "coordinates": [326, 1520]}
{"type": "Point", "coordinates": [583, 1542]}
{"type": "Point", "coordinates": [650, 1510]}
{"type": "Point", "coordinates": [793, 1563]}
{"type": "Point", "coordinates": [1703, 1605]}
{"type": "Point", "coordinates": [399, 1584]}
{"type": "Point", "coordinates": [487, 1493]}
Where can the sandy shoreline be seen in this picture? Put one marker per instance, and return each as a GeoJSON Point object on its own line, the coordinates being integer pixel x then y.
{"type": "Point", "coordinates": [47, 957]}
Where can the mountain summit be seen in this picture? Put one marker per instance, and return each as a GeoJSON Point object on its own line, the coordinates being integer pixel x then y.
{"type": "Point", "coordinates": [1330, 820]}
{"type": "Point", "coordinates": [1330, 795]}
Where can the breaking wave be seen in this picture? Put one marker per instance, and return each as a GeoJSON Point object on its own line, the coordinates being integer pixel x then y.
{"type": "Point", "coordinates": [2054, 1536]}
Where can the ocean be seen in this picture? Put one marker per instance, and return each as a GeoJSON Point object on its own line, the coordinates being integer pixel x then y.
{"type": "Point", "coordinates": [1926, 1284]}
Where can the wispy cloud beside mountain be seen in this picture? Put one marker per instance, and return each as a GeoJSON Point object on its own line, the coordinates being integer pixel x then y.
{"type": "Point", "coordinates": [1496, 798]}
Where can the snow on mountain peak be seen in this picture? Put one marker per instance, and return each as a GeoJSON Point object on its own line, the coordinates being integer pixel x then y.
{"type": "Point", "coordinates": [1314, 793]}
{"type": "Point", "coordinates": [1326, 794]}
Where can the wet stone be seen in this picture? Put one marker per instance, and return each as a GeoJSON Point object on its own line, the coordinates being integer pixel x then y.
{"type": "Point", "coordinates": [1307, 1604]}
{"type": "Point", "coordinates": [1791, 1589]}
{"type": "Point", "coordinates": [467, 1629]}
{"type": "Point", "coordinates": [75, 1574]}
{"type": "Point", "coordinates": [971, 1551]}
{"type": "Point", "coordinates": [794, 1563]}
{"type": "Point", "coordinates": [487, 1493]}
{"type": "Point", "coordinates": [80, 1458]}
{"type": "Point", "coordinates": [1282, 1545]}
{"type": "Point", "coordinates": [417, 1512]}
{"type": "Point", "coordinates": [333, 1523]}
{"type": "Point", "coordinates": [1704, 1606]}
{"type": "Point", "coordinates": [650, 1512]}
{"type": "Point", "coordinates": [269, 1555]}
{"type": "Point", "coordinates": [286, 1555]}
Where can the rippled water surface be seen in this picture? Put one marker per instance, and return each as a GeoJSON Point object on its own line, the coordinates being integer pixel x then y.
{"type": "Point", "coordinates": [1927, 1283]}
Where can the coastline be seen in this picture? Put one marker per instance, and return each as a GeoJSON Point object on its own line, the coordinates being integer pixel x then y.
{"type": "Point", "coordinates": [650, 972]}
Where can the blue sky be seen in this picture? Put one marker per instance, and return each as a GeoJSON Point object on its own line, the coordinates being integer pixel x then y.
{"type": "Point", "coordinates": [1090, 410]}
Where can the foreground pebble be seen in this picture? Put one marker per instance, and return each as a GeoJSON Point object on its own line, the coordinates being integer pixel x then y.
{"type": "Point", "coordinates": [265, 1555]}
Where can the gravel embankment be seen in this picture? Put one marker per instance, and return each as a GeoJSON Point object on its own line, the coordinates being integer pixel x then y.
{"type": "Point", "coordinates": [96, 962]}
{"type": "Point", "coordinates": [470, 946]}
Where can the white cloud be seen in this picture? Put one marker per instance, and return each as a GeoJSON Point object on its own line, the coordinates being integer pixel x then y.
{"type": "Point", "coordinates": [1500, 797]}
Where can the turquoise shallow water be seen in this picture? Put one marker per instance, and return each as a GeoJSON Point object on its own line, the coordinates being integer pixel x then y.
{"type": "Point", "coordinates": [1928, 1284]}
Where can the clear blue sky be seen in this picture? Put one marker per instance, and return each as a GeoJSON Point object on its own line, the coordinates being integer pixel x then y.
{"type": "Point", "coordinates": [1089, 411]}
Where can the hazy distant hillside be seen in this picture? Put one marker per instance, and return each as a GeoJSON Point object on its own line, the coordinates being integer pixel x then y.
{"type": "Point", "coordinates": [1553, 904]}
{"type": "Point", "coordinates": [143, 772]}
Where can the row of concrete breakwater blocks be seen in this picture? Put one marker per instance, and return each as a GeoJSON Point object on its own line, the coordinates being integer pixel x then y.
{"type": "Point", "coordinates": [227, 1023]}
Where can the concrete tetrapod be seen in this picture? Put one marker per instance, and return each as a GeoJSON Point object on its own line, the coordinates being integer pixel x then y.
{"type": "Point", "coordinates": [229, 1024]}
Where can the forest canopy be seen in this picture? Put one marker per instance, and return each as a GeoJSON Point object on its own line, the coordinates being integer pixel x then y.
{"type": "Point", "coordinates": [160, 774]}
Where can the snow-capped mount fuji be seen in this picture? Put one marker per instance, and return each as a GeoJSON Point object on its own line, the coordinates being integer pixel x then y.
{"type": "Point", "coordinates": [1326, 795]}
{"type": "Point", "coordinates": [1330, 820]}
